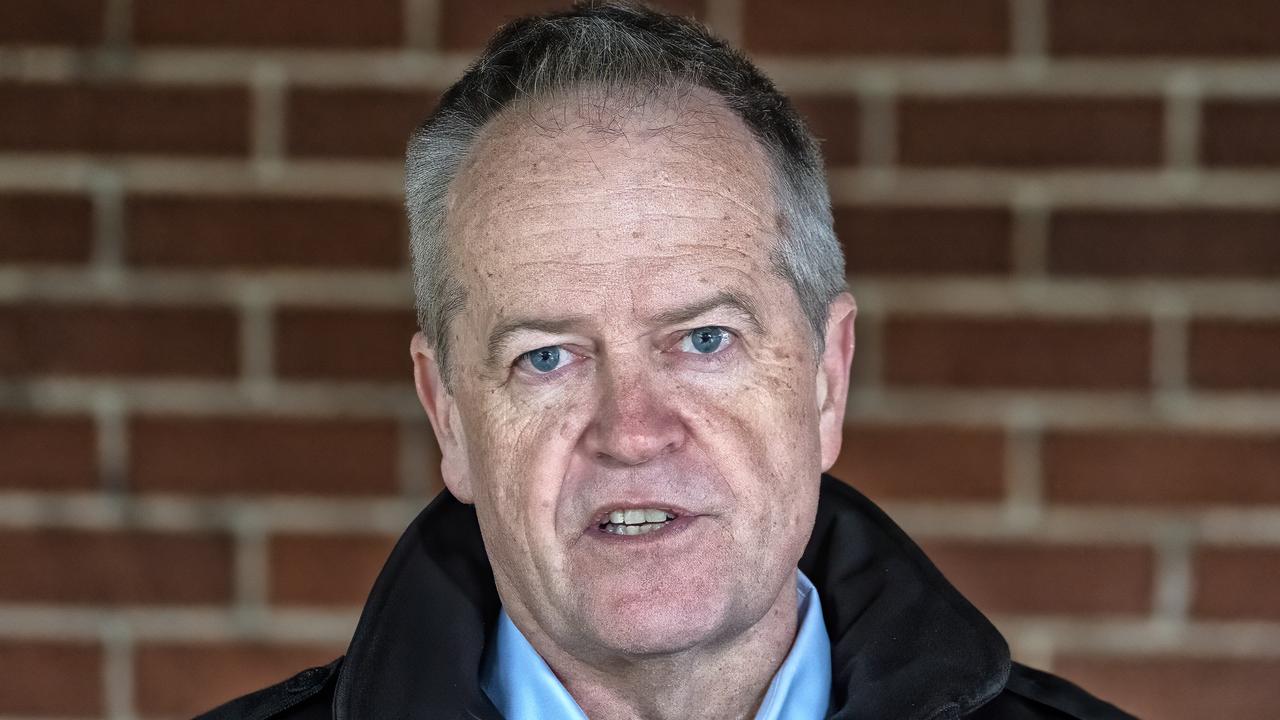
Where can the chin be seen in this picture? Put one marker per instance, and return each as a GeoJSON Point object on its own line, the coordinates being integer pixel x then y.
{"type": "Point", "coordinates": [661, 620]}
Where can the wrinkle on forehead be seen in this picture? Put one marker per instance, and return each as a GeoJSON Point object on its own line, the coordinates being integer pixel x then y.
{"type": "Point", "coordinates": [606, 194]}
{"type": "Point", "coordinates": [543, 141]}
{"type": "Point", "coordinates": [540, 216]}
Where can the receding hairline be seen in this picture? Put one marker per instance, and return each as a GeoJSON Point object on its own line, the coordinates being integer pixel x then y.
{"type": "Point", "coordinates": [736, 137]}
{"type": "Point", "coordinates": [699, 115]}
{"type": "Point", "coordinates": [692, 105]}
{"type": "Point", "coordinates": [700, 121]}
{"type": "Point", "coordinates": [614, 44]}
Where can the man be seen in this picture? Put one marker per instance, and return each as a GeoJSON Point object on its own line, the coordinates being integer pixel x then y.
{"type": "Point", "coordinates": [635, 348]}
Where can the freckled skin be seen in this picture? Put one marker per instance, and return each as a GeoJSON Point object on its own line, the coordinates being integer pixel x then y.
{"type": "Point", "coordinates": [614, 229]}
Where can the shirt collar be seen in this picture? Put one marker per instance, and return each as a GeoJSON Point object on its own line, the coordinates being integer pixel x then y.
{"type": "Point", "coordinates": [801, 689]}
{"type": "Point", "coordinates": [523, 687]}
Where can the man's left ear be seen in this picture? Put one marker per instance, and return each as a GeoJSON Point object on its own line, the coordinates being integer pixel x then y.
{"type": "Point", "coordinates": [833, 376]}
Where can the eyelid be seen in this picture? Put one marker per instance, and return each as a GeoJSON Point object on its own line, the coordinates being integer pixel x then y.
{"type": "Point", "coordinates": [568, 357]}
{"type": "Point", "coordinates": [731, 339]}
{"type": "Point", "coordinates": [521, 360]}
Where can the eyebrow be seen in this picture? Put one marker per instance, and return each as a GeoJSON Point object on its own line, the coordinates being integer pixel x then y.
{"type": "Point", "coordinates": [503, 331]}
{"type": "Point", "coordinates": [725, 299]}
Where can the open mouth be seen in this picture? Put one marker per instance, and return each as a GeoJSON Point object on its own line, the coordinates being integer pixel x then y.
{"type": "Point", "coordinates": [636, 521]}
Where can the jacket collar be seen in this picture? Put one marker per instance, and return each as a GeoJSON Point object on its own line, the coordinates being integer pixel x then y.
{"type": "Point", "coordinates": [905, 644]}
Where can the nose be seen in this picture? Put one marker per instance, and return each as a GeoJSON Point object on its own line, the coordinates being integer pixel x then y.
{"type": "Point", "coordinates": [634, 421]}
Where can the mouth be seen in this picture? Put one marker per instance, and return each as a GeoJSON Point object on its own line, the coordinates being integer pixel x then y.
{"type": "Point", "coordinates": [636, 521]}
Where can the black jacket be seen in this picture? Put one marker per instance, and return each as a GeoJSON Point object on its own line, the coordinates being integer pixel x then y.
{"type": "Point", "coordinates": [905, 644]}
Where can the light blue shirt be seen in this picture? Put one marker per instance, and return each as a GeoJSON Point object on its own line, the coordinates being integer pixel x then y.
{"type": "Point", "coordinates": [523, 687]}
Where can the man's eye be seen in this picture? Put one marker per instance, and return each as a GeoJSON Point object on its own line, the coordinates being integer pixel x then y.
{"type": "Point", "coordinates": [706, 340]}
{"type": "Point", "coordinates": [545, 359]}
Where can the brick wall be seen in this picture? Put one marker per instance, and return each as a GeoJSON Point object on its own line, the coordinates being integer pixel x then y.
{"type": "Point", "coordinates": [1063, 225]}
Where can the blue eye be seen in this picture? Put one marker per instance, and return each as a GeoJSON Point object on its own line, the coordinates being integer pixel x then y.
{"type": "Point", "coordinates": [705, 340]}
{"type": "Point", "coordinates": [544, 360]}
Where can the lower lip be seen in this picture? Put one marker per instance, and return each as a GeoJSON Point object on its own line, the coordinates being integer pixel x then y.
{"type": "Point", "coordinates": [671, 529]}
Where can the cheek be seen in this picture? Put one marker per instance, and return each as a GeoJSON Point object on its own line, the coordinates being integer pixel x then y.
{"type": "Point", "coordinates": [522, 456]}
{"type": "Point", "coordinates": [772, 407]}
{"type": "Point", "coordinates": [736, 430]}
{"type": "Point", "coordinates": [764, 437]}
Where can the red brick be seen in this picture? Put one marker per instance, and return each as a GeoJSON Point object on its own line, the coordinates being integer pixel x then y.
{"type": "Point", "coordinates": [47, 452]}
{"type": "Point", "coordinates": [47, 22]}
{"type": "Point", "coordinates": [925, 240]}
{"type": "Point", "coordinates": [1160, 467]}
{"type": "Point", "coordinates": [263, 455]}
{"type": "Point", "coordinates": [326, 570]}
{"type": "Point", "coordinates": [1237, 583]}
{"type": "Point", "coordinates": [466, 25]}
{"type": "Point", "coordinates": [1235, 354]}
{"type": "Point", "coordinates": [45, 228]}
{"type": "Point", "coordinates": [353, 122]}
{"type": "Point", "coordinates": [172, 680]}
{"type": "Point", "coordinates": [50, 679]}
{"type": "Point", "coordinates": [1240, 28]}
{"type": "Point", "coordinates": [121, 118]}
{"type": "Point", "coordinates": [264, 232]}
{"type": "Point", "coordinates": [125, 340]}
{"type": "Point", "coordinates": [1240, 132]}
{"type": "Point", "coordinates": [835, 122]}
{"type": "Point", "coordinates": [1188, 242]}
{"type": "Point", "coordinates": [1031, 578]}
{"type": "Point", "coordinates": [1015, 352]}
{"type": "Point", "coordinates": [877, 27]}
{"type": "Point", "coordinates": [286, 23]}
{"type": "Point", "coordinates": [1029, 132]}
{"type": "Point", "coordinates": [345, 344]}
{"type": "Point", "coordinates": [933, 462]}
{"type": "Point", "coordinates": [114, 567]}
{"type": "Point", "coordinates": [1180, 688]}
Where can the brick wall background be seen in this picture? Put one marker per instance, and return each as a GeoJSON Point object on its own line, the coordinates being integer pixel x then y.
{"type": "Point", "coordinates": [1062, 219]}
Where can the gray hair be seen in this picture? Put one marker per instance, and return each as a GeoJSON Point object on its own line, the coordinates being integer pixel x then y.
{"type": "Point", "coordinates": [617, 46]}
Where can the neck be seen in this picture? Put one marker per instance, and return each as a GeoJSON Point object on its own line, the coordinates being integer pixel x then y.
{"type": "Point", "coordinates": [726, 680]}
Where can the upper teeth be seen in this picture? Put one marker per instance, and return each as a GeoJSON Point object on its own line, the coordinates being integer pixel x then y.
{"type": "Point", "coordinates": [636, 522]}
{"type": "Point", "coordinates": [639, 517]}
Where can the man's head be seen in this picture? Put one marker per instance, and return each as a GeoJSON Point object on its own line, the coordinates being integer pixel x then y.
{"type": "Point", "coordinates": [631, 301]}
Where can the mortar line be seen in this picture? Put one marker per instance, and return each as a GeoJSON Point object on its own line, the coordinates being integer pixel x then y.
{"type": "Point", "coordinates": [257, 340]}
{"type": "Point", "coordinates": [878, 122]}
{"type": "Point", "coordinates": [1170, 348]}
{"type": "Point", "coordinates": [382, 180]}
{"type": "Point", "coordinates": [1029, 29]}
{"type": "Point", "coordinates": [725, 17]}
{"type": "Point", "coordinates": [420, 69]}
{"type": "Point", "coordinates": [267, 133]}
{"type": "Point", "coordinates": [112, 450]}
{"type": "Point", "coordinates": [1173, 576]}
{"type": "Point", "coordinates": [1182, 122]}
{"type": "Point", "coordinates": [1030, 232]}
{"type": "Point", "coordinates": [117, 676]}
{"type": "Point", "coordinates": [1033, 647]}
{"type": "Point", "coordinates": [252, 564]}
{"type": "Point", "coordinates": [1023, 467]}
{"type": "Point", "coordinates": [114, 57]}
{"type": "Point", "coordinates": [106, 190]}
{"type": "Point", "coordinates": [412, 466]}
{"type": "Point", "coordinates": [421, 24]}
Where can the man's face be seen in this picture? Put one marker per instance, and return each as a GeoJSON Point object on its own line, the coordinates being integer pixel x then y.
{"type": "Point", "coordinates": [637, 411]}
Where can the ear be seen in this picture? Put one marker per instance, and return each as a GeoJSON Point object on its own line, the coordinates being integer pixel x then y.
{"type": "Point", "coordinates": [833, 376]}
{"type": "Point", "coordinates": [442, 409]}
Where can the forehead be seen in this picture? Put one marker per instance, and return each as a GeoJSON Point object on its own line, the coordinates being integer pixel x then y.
{"type": "Point", "coordinates": [567, 197]}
